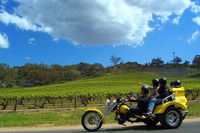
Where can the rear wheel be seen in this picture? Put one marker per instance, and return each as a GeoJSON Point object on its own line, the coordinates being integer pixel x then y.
{"type": "Point", "coordinates": [171, 118]}
{"type": "Point", "coordinates": [91, 120]}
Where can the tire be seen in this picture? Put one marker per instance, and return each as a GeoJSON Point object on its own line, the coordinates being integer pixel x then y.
{"type": "Point", "coordinates": [171, 118]}
{"type": "Point", "coordinates": [149, 122]}
{"type": "Point", "coordinates": [90, 120]}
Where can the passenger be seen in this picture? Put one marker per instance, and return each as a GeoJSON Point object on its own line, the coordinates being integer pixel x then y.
{"type": "Point", "coordinates": [153, 89]}
{"type": "Point", "coordinates": [141, 105]}
{"type": "Point", "coordinates": [177, 84]}
{"type": "Point", "coordinates": [163, 92]}
{"type": "Point", "coordinates": [172, 84]}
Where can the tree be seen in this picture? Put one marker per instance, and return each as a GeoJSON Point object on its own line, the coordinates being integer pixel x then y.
{"type": "Point", "coordinates": [157, 62]}
{"type": "Point", "coordinates": [57, 67]}
{"type": "Point", "coordinates": [186, 63]}
{"type": "Point", "coordinates": [71, 73]}
{"type": "Point", "coordinates": [3, 74]}
{"type": "Point", "coordinates": [96, 69]}
{"type": "Point", "coordinates": [177, 60]}
{"type": "Point", "coordinates": [196, 61]}
{"type": "Point", "coordinates": [115, 60]}
{"type": "Point", "coordinates": [25, 70]}
{"type": "Point", "coordinates": [42, 77]}
{"type": "Point", "coordinates": [83, 68]}
{"type": "Point", "coordinates": [37, 74]}
{"type": "Point", "coordinates": [3, 68]}
{"type": "Point", "coordinates": [131, 65]}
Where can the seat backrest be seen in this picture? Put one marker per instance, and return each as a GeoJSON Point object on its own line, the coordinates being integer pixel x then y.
{"type": "Point", "coordinates": [180, 95]}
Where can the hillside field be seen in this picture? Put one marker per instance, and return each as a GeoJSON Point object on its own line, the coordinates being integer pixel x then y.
{"type": "Point", "coordinates": [100, 86]}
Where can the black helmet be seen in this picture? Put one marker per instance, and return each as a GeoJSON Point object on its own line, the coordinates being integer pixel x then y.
{"type": "Point", "coordinates": [145, 89]}
{"type": "Point", "coordinates": [172, 84]}
{"type": "Point", "coordinates": [177, 83]}
{"type": "Point", "coordinates": [155, 82]}
{"type": "Point", "coordinates": [163, 81]}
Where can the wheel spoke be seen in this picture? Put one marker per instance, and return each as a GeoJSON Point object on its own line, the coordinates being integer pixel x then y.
{"type": "Point", "coordinates": [91, 120]}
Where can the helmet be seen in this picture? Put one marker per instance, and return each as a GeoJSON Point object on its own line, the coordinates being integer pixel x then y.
{"type": "Point", "coordinates": [172, 84]}
{"type": "Point", "coordinates": [177, 83]}
{"type": "Point", "coordinates": [145, 89]}
{"type": "Point", "coordinates": [163, 81]}
{"type": "Point", "coordinates": [155, 82]}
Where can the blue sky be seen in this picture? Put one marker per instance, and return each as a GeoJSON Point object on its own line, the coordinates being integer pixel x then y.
{"type": "Point", "coordinates": [31, 32]}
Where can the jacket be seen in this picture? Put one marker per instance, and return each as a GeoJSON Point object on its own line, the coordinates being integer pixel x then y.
{"type": "Point", "coordinates": [163, 91]}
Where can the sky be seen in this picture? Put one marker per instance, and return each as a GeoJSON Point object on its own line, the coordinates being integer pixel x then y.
{"type": "Point", "coordinates": [68, 32]}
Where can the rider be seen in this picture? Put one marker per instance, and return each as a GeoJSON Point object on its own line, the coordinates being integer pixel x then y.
{"type": "Point", "coordinates": [163, 92]}
{"type": "Point", "coordinates": [141, 106]}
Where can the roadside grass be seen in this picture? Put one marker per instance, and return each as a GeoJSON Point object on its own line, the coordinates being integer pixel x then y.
{"type": "Point", "coordinates": [68, 117]}
{"type": "Point", "coordinates": [194, 109]}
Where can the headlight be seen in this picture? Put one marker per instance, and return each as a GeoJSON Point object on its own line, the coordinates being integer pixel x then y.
{"type": "Point", "coordinates": [108, 102]}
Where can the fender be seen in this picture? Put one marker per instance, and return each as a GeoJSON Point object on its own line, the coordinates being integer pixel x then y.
{"type": "Point", "coordinates": [159, 109]}
{"type": "Point", "coordinates": [98, 111]}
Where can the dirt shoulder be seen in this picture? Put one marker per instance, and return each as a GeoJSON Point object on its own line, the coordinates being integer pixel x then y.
{"type": "Point", "coordinates": [45, 127]}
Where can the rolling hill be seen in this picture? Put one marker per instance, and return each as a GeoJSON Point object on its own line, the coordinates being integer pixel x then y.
{"type": "Point", "coordinates": [99, 86]}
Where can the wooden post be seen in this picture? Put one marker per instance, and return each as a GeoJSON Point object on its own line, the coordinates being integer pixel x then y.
{"type": "Point", "coordinates": [75, 102]}
{"type": "Point", "coordinates": [61, 100]}
{"type": "Point", "coordinates": [15, 106]}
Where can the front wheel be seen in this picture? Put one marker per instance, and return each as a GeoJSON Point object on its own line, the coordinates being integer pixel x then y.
{"type": "Point", "coordinates": [91, 120]}
{"type": "Point", "coordinates": [172, 118]}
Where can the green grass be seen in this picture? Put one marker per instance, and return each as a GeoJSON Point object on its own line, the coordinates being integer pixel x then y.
{"type": "Point", "coordinates": [100, 86]}
{"type": "Point", "coordinates": [194, 109]}
{"type": "Point", "coordinates": [35, 118]}
{"type": "Point", "coordinates": [194, 75]}
{"type": "Point", "coordinates": [111, 84]}
{"type": "Point", "coordinates": [71, 117]}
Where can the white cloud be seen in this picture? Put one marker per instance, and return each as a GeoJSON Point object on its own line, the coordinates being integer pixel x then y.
{"type": "Point", "coordinates": [20, 22]}
{"type": "Point", "coordinates": [164, 8]}
{"type": "Point", "coordinates": [31, 41]}
{"type": "Point", "coordinates": [196, 20]}
{"type": "Point", "coordinates": [176, 20]}
{"type": "Point", "coordinates": [195, 8]}
{"type": "Point", "coordinates": [4, 43]}
{"type": "Point", "coordinates": [194, 37]}
{"type": "Point", "coordinates": [95, 22]}
{"type": "Point", "coordinates": [28, 58]}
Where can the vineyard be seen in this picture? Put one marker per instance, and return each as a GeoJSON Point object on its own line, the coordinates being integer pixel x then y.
{"type": "Point", "coordinates": [83, 92]}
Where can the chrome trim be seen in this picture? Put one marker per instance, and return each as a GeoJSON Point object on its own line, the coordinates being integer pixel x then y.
{"type": "Point", "coordinates": [170, 96]}
{"type": "Point", "coordinates": [107, 111]}
{"type": "Point", "coordinates": [184, 113]}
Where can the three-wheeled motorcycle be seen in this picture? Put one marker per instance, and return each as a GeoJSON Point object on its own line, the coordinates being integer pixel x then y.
{"type": "Point", "coordinates": [170, 113]}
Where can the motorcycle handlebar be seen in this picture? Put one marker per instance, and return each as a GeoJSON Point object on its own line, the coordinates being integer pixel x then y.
{"type": "Point", "coordinates": [121, 100]}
